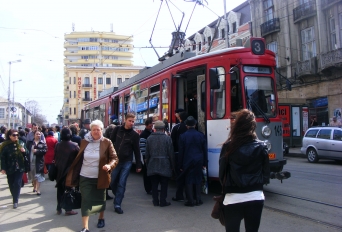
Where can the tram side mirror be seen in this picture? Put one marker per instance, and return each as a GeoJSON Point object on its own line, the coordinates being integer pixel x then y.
{"type": "Point", "coordinates": [214, 78]}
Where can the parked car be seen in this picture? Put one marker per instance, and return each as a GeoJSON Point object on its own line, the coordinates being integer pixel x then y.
{"type": "Point", "coordinates": [286, 148]}
{"type": "Point", "coordinates": [322, 143]}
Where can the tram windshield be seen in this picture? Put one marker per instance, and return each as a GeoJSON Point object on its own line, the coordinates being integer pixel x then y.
{"type": "Point", "coordinates": [260, 96]}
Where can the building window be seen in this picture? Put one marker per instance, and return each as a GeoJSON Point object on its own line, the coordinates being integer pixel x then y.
{"type": "Point", "coordinates": [70, 80]}
{"type": "Point", "coordinates": [234, 27]}
{"type": "Point", "coordinates": [199, 46]}
{"type": "Point", "coordinates": [74, 81]}
{"type": "Point", "coordinates": [86, 94]}
{"type": "Point", "coordinates": [108, 81]}
{"type": "Point", "coordinates": [268, 7]}
{"type": "Point", "coordinates": [70, 110]}
{"type": "Point", "coordinates": [70, 94]}
{"type": "Point", "coordinates": [126, 79]}
{"type": "Point", "coordinates": [119, 81]}
{"type": "Point", "coordinates": [86, 81]}
{"type": "Point", "coordinates": [194, 46]}
{"type": "Point", "coordinates": [308, 43]}
{"type": "Point", "coordinates": [100, 80]}
{"type": "Point", "coordinates": [333, 34]}
{"type": "Point", "coordinates": [274, 48]}
{"type": "Point", "coordinates": [222, 33]}
{"type": "Point", "coordinates": [209, 40]}
{"type": "Point", "coordinates": [74, 110]}
{"type": "Point", "coordinates": [98, 94]}
{"type": "Point", "coordinates": [2, 113]}
{"type": "Point", "coordinates": [74, 94]}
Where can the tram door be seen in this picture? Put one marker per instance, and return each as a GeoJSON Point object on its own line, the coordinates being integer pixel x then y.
{"type": "Point", "coordinates": [201, 103]}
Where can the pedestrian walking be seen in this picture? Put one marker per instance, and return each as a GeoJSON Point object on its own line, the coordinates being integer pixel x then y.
{"type": "Point", "coordinates": [176, 132]}
{"type": "Point", "coordinates": [85, 129]}
{"type": "Point", "coordinates": [243, 170]}
{"type": "Point", "coordinates": [50, 154]}
{"type": "Point", "coordinates": [192, 159]}
{"type": "Point", "coordinates": [91, 171]}
{"type": "Point", "coordinates": [75, 138]}
{"type": "Point", "coordinates": [22, 135]}
{"type": "Point", "coordinates": [160, 162]}
{"type": "Point", "coordinates": [142, 145]}
{"type": "Point", "coordinates": [107, 134]}
{"type": "Point", "coordinates": [31, 135]}
{"type": "Point", "coordinates": [13, 153]}
{"type": "Point", "coordinates": [65, 154]}
{"type": "Point", "coordinates": [126, 142]}
{"type": "Point", "coordinates": [37, 149]}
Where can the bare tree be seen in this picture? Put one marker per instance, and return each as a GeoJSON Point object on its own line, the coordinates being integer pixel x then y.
{"type": "Point", "coordinates": [34, 108]}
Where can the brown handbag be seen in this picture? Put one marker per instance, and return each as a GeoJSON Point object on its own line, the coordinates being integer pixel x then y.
{"type": "Point", "coordinates": [218, 209]}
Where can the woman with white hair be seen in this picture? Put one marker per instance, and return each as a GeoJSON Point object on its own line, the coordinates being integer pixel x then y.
{"type": "Point", "coordinates": [91, 171]}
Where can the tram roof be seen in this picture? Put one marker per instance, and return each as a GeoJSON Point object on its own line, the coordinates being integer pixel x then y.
{"type": "Point", "coordinates": [175, 59]}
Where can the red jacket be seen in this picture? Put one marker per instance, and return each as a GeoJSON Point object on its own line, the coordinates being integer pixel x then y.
{"type": "Point", "coordinates": [50, 154]}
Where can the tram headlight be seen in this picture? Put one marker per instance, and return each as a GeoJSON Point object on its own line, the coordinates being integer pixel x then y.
{"type": "Point", "coordinates": [268, 144]}
{"type": "Point", "coordinates": [266, 131]}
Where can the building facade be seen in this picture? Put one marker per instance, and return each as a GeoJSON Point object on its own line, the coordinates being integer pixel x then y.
{"type": "Point", "coordinates": [19, 115]}
{"type": "Point", "coordinates": [94, 61]}
{"type": "Point", "coordinates": [306, 36]}
{"type": "Point", "coordinates": [235, 27]}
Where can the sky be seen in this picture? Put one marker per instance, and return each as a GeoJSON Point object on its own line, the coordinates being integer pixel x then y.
{"type": "Point", "coordinates": [33, 31]}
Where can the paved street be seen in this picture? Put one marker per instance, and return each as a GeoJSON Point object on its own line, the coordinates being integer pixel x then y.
{"type": "Point", "coordinates": [38, 213]}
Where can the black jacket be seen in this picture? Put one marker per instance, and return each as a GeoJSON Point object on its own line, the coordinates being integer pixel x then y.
{"type": "Point", "coordinates": [83, 132]}
{"type": "Point", "coordinates": [41, 148]}
{"type": "Point", "coordinates": [247, 168]}
{"type": "Point", "coordinates": [177, 130]}
{"type": "Point", "coordinates": [125, 143]}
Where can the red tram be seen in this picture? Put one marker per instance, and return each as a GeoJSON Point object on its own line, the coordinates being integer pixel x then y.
{"type": "Point", "coordinates": [209, 87]}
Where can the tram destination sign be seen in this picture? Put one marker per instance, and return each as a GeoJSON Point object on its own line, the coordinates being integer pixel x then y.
{"type": "Point", "coordinates": [257, 69]}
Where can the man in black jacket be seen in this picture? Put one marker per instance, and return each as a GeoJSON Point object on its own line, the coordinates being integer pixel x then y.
{"type": "Point", "coordinates": [125, 141]}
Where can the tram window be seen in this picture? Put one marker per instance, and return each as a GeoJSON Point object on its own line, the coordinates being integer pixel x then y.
{"type": "Point", "coordinates": [142, 99]}
{"type": "Point", "coordinates": [218, 96]}
{"type": "Point", "coordinates": [154, 104]}
{"type": "Point", "coordinates": [165, 99]}
{"type": "Point", "coordinates": [121, 111]}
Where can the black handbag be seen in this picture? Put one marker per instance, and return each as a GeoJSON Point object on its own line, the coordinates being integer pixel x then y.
{"type": "Point", "coordinates": [53, 171]}
{"type": "Point", "coordinates": [71, 199]}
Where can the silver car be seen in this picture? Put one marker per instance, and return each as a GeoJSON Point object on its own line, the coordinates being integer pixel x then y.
{"type": "Point", "coordinates": [322, 143]}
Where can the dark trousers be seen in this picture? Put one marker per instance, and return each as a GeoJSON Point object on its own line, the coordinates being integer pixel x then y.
{"type": "Point", "coordinates": [163, 181]}
{"type": "Point", "coordinates": [14, 181]}
{"type": "Point", "coordinates": [60, 191]}
{"type": "Point", "coordinates": [180, 185]}
{"type": "Point", "coordinates": [147, 180]}
{"type": "Point", "coordinates": [193, 191]}
{"type": "Point", "coordinates": [250, 211]}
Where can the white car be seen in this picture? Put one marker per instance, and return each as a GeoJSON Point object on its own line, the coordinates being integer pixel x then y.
{"type": "Point", "coordinates": [322, 143]}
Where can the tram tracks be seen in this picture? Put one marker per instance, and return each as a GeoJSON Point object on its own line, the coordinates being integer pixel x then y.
{"type": "Point", "coordinates": [307, 218]}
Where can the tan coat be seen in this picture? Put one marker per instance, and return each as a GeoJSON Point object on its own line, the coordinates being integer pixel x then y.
{"type": "Point", "coordinates": [107, 156]}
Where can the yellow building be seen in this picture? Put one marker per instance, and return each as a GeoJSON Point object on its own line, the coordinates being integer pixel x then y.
{"type": "Point", "coordinates": [94, 61]}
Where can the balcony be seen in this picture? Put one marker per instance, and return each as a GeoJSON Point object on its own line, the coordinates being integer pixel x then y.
{"type": "Point", "coordinates": [307, 67]}
{"type": "Point", "coordinates": [270, 26]}
{"type": "Point", "coordinates": [304, 11]}
{"type": "Point", "coordinates": [87, 85]}
{"type": "Point", "coordinates": [331, 59]}
{"type": "Point", "coordinates": [87, 99]}
{"type": "Point", "coordinates": [328, 3]}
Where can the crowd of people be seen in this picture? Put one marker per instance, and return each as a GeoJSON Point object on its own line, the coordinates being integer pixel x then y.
{"type": "Point", "coordinates": [97, 160]}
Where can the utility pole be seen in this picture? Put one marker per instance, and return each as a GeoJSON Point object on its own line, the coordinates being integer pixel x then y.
{"type": "Point", "coordinates": [9, 92]}
{"type": "Point", "coordinates": [225, 19]}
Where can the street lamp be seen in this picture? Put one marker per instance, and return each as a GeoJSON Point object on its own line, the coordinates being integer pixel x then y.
{"type": "Point", "coordinates": [9, 91]}
{"type": "Point", "coordinates": [13, 101]}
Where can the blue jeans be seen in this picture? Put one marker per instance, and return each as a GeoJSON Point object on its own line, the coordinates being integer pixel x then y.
{"type": "Point", "coordinates": [14, 182]}
{"type": "Point", "coordinates": [118, 183]}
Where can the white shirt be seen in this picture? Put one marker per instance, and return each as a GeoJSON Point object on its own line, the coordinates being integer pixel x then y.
{"type": "Point", "coordinates": [91, 159]}
{"type": "Point", "coordinates": [234, 198]}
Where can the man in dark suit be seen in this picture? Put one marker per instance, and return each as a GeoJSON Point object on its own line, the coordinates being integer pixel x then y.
{"type": "Point", "coordinates": [85, 129]}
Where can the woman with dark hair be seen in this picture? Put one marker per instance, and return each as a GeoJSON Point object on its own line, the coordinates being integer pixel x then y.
{"type": "Point", "coordinates": [12, 153]}
{"type": "Point", "coordinates": [75, 138]}
{"type": "Point", "coordinates": [243, 170]}
{"type": "Point", "coordinates": [37, 150]}
{"type": "Point", "coordinates": [65, 153]}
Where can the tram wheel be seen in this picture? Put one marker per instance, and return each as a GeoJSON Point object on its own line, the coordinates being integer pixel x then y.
{"type": "Point", "coordinates": [312, 155]}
